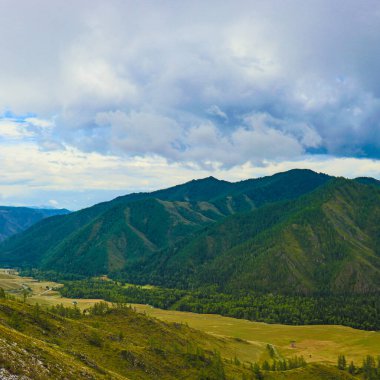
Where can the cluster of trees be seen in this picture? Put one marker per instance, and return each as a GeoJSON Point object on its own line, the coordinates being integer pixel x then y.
{"type": "Point", "coordinates": [50, 275]}
{"type": "Point", "coordinates": [284, 365]}
{"type": "Point", "coordinates": [65, 311]}
{"type": "Point", "coordinates": [18, 320]}
{"type": "Point", "coordinates": [257, 371]}
{"type": "Point", "coordinates": [351, 310]}
{"type": "Point", "coordinates": [73, 312]}
{"type": "Point", "coordinates": [369, 370]}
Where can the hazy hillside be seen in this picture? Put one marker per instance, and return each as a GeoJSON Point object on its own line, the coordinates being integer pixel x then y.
{"type": "Point", "coordinates": [326, 241]}
{"type": "Point", "coordinates": [16, 219]}
{"type": "Point", "coordinates": [106, 236]}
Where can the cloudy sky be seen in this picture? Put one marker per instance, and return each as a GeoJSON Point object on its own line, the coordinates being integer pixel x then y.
{"type": "Point", "coordinates": [101, 98]}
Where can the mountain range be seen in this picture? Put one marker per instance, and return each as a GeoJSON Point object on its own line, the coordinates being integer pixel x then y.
{"type": "Point", "coordinates": [294, 232]}
{"type": "Point", "coordinates": [16, 219]}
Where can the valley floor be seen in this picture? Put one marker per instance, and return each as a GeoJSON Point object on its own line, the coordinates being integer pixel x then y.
{"type": "Point", "coordinates": [318, 343]}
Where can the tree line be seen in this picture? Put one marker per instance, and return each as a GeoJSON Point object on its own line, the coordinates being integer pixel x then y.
{"type": "Point", "coordinates": [355, 311]}
{"type": "Point", "coordinates": [369, 369]}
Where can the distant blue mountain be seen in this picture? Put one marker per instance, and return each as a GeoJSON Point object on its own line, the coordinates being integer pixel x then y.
{"type": "Point", "coordinates": [17, 219]}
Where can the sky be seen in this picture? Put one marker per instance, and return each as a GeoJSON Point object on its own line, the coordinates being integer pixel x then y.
{"type": "Point", "coordinates": [103, 98]}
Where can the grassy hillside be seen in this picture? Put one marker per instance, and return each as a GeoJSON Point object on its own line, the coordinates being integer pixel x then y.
{"type": "Point", "coordinates": [326, 241]}
{"type": "Point", "coordinates": [106, 344]}
{"type": "Point", "coordinates": [310, 373]}
{"type": "Point", "coordinates": [16, 219]}
{"type": "Point", "coordinates": [118, 343]}
{"type": "Point", "coordinates": [108, 236]}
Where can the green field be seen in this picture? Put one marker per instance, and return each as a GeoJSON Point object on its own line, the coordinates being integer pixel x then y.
{"type": "Point", "coordinates": [243, 339]}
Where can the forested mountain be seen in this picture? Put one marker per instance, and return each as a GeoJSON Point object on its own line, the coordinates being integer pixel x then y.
{"type": "Point", "coordinates": [16, 219]}
{"type": "Point", "coordinates": [368, 181]}
{"type": "Point", "coordinates": [127, 233]}
{"type": "Point", "coordinates": [296, 232]}
{"type": "Point", "coordinates": [324, 242]}
{"type": "Point", "coordinates": [112, 235]}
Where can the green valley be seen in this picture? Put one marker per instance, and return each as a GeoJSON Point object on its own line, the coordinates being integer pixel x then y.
{"type": "Point", "coordinates": [75, 346]}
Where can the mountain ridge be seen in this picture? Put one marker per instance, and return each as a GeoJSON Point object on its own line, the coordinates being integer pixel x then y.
{"type": "Point", "coordinates": [17, 219]}
{"type": "Point", "coordinates": [294, 232]}
{"type": "Point", "coordinates": [284, 247]}
{"type": "Point", "coordinates": [55, 237]}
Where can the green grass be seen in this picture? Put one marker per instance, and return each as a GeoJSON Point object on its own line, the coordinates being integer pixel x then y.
{"type": "Point", "coordinates": [118, 344]}
{"type": "Point", "coordinates": [311, 372]}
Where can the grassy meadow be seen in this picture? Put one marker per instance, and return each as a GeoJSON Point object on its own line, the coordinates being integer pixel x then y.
{"type": "Point", "coordinates": [249, 339]}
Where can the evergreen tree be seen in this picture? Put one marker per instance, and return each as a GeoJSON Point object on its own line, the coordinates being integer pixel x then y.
{"type": "Point", "coordinates": [352, 368]}
{"type": "Point", "coordinates": [342, 362]}
{"type": "Point", "coordinates": [257, 372]}
{"type": "Point", "coordinates": [265, 366]}
{"type": "Point", "coordinates": [270, 350]}
{"type": "Point", "coordinates": [219, 367]}
{"type": "Point", "coordinates": [369, 368]}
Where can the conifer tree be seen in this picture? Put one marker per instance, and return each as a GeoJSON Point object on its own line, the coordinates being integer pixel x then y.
{"type": "Point", "coordinates": [342, 362]}
{"type": "Point", "coordinates": [351, 368]}
{"type": "Point", "coordinates": [257, 372]}
{"type": "Point", "coordinates": [265, 366]}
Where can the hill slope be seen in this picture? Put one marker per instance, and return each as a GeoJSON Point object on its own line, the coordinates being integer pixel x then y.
{"type": "Point", "coordinates": [115, 343]}
{"type": "Point", "coordinates": [16, 219]}
{"type": "Point", "coordinates": [326, 241]}
{"type": "Point", "coordinates": [108, 236]}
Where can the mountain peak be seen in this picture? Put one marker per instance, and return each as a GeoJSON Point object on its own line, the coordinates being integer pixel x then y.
{"type": "Point", "coordinates": [209, 179]}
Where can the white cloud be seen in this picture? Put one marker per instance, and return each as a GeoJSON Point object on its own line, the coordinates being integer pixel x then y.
{"type": "Point", "coordinates": [37, 122]}
{"type": "Point", "coordinates": [13, 130]}
{"type": "Point", "coordinates": [53, 203]}
{"type": "Point", "coordinates": [248, 85]}
{"type": "Point", "coordinates": [216, 111]}
{"type": "Point", "coordinates": [304, 64]}
{"type": "Point", "coordinates": [75, 179]}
